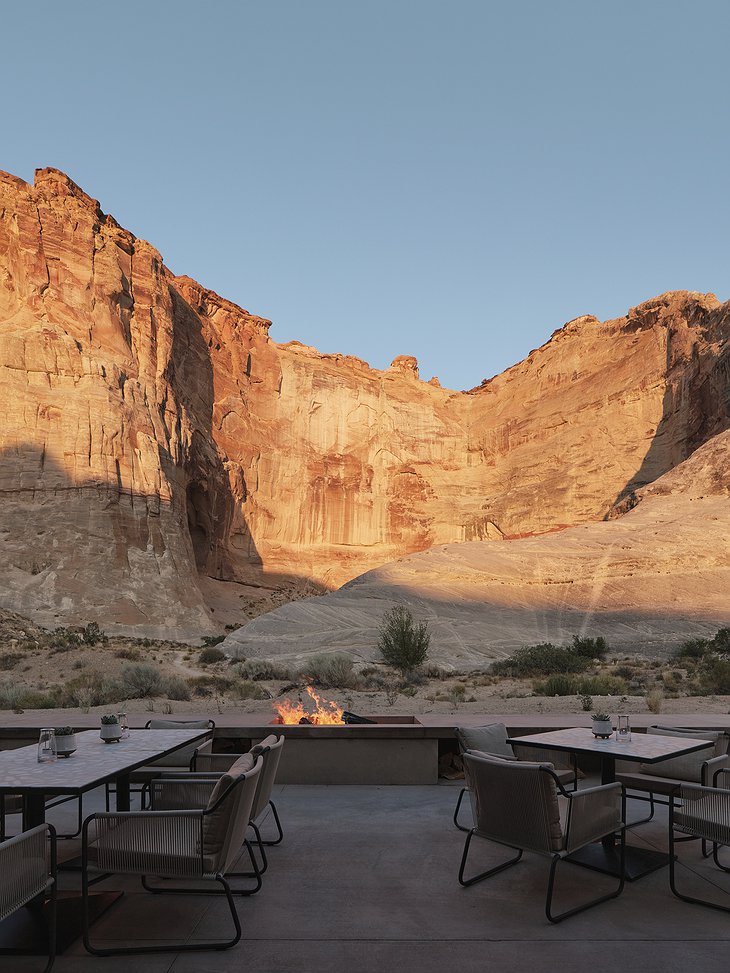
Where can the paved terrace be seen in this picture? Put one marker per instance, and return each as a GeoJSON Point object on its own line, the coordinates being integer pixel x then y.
{"type": "Point", "coordinates": [365, 881]}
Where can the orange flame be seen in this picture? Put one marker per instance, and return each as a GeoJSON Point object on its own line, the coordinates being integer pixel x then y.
{"type": "Point", "coordinates": [324, 713]}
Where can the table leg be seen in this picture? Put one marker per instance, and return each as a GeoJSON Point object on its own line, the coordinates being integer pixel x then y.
{"type": "Point", "coordinates": [34, 810]}
{"type": "Point", "coordinates": [122, 783]}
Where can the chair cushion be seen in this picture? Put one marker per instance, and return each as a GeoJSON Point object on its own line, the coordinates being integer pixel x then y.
{"type": "Point", "coordinates": [215, 823]}
{"type": "Point", "coordinates": [688, 766]}
{"type": "Point", "coordinates": [268, 741]}
{"type": "Point", "coordinates": [179, 758]}
{"type": "Point", "coordinates": [490, 739]}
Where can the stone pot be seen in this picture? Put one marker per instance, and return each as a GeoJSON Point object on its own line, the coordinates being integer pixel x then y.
{"type": "Point", "coordinates": [602, 728]}
{"type": "Point", "coordinates": [65, 744]}
{"type": "Point", "coordinates": [111, 732]}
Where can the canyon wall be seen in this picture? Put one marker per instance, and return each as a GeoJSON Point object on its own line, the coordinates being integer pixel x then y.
{"type": "Point", "coordinates": [156, 442]}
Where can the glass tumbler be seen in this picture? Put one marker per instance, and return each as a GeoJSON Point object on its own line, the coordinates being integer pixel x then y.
{"type": "Point", "coordinates": [46, 745]}
{"type": "Point", "coordinates": [623, 729]}
{"type": "Point", "coordinates": [123, 725]}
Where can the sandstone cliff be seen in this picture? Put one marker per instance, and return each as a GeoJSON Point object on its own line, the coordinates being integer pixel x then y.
{"type": "Point", "coordinates": [159, 451]}
{"type": "Point", "coordinates": [647, 581]}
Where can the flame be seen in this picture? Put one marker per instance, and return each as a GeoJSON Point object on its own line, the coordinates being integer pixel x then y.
{"type": "Point", "coordinates": [325, 712]}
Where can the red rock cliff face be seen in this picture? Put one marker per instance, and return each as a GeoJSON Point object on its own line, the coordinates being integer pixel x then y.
{"type": "Point", "coordinates": [153, 434]}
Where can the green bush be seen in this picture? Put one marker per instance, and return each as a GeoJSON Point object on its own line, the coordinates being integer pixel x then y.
{"type": "Point", "coordinates": [142, 681]}
{"type": "Point", "coordinates": [557, 685]}
{"type": "Point", "coordinates": [403, 642]}
{"type": "Point", "coordinates": [693, 649]}
{"type": "Point", "coordinates": [258, 669]}
{"type": "Point", "coordinates": [211, 654]}
{"type": "Point", "coordinates": [545, 659]}
{"type": "Point", "coordinates": [330, 672]}
{"type": "Point", "coordinates": [714, 676]}
{"type": "Point", "coordinates": [589, 648]}
{"type": "Point", "coordinates": [246, 689]}
{"type": "Point", "coordinates": [213, 639]}
{"type": "Point", "coordinates": [602, 686]}
{"type": "Point", "coordinates": [176, 688]}
{"type": "Point", "coordinates": [92, 634]}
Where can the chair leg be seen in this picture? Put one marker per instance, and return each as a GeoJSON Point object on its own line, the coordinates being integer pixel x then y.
{"type": "Point", "coordinates": [186, 947]}
{"type": "Point", "coordinates": [587, 905]}
{"type": "Point", "coordinates": [461, 827]}
{"type": "Point", "coordinates": [673, 873]}
{"type": "Point", "coordinates": [280, 833]}
{"type": "Point", "coordinates": [650, 799]}
{"type": "Point", "coordinates": [466, 882]}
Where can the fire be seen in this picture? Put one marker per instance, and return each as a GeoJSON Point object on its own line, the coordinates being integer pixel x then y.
{"type": "Point", "coordinates": [325, 712]}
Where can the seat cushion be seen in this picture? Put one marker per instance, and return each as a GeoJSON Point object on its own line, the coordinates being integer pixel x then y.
{"type": "Point", "coordinates": [688, 766]}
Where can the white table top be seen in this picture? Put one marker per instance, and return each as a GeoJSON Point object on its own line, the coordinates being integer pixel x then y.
{"type": "Point", "coordinates": [645, 747]}
{"type": "Point", "coordinates": [93, 762]}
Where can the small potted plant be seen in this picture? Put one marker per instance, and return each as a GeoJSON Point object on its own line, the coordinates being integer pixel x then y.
{"type": "Point", "coordinates": [111, 731]}
{"type": "Point", "coordinates": [65, 740]}
{"type": "Point", "coordinates": [602, 726]}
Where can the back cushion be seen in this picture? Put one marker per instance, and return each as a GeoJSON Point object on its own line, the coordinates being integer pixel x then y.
{"type": "Point", "coordinates": [268, 741]}
{"type": "Point", "coordinates": [181, 757]}
{"type": "Point", "coordinates": [215, 824]}
{"type": "Point", "coordinates": [490, 739]}
{"type": "Point", "coordinates": [688, 766]}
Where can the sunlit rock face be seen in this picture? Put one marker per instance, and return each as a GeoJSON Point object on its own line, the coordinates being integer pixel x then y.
{"type": "Point", "coordinates": [645, 581]}
{"type": "Point", "coordinates": [154, 437]}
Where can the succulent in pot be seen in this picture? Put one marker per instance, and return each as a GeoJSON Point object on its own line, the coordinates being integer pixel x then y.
{"type": "Point", "coordinates": [602, 726]}
{"type": "Point", "coordinates": [65, 737]}
{"type": "Point", "coordinates": [111, 731]}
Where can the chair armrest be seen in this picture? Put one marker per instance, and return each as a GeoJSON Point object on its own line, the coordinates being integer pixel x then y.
{"type": "Point", "coordinates": [712, 767]}
{"type": "Point", "coordinates": [144, 842]}
{"type": "Point", "coordinates": [214, 762]}
{"type": "Point", "coordinates": [187, 792]}
{"type": "Point", "coordinates": [593, 813]}
{"type": "Point", "coordinates": [718, 774]}
{"type": "Point", "coordinates": [26, 862]}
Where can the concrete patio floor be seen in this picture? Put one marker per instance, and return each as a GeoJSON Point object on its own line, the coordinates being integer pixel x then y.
{"type": "Point", "coordinates": [366, 880]}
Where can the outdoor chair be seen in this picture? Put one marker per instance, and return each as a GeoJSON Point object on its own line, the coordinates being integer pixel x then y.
{"type": "Point", "coordinates": [191, 845]}
{"type": "Point", "coordinates": [699, 812]}
{"type": "Point", "coordinates": [492, 739]}
{"type": "Point", "coordinates": [28, 868]}
{"type": "Point", "coordinates": [516, 804]}
{"type": "Point", "coordinates": [192, 789]}
{"type": "Point", "coordinates": [173, 764]}
{"type": "Point", "coordinates": [663, 778]}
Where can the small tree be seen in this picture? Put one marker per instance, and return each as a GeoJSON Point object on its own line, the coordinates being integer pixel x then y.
{"type": "Point", "coordinates": [402, 641]}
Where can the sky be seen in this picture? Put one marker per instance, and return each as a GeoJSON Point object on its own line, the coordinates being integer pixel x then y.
{"type": "Point", "coordinates": [450, 181]}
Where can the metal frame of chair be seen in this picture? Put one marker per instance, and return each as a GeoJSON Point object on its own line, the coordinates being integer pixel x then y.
{"type": "Point", "coordinates": [22, 884]}
{"type": "Point", "coordinates": [704, 812]}
{"type": "Point", "coordinates": [172, 845]}
{"type": "Point", "coordinates": [515, 805]}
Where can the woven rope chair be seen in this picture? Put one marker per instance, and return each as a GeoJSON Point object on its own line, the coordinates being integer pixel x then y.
{"type": "Point", "coordinates": [192, 789]}
{"type": "Point", "coordinates": [699, 812]}
{"type": "Point", "coordinates": [198, 845]}
{"type": "Point", "coordinates": [515, 803]}
{"type": "Point", "coordinates": [28, 867]}
{"type": "Point", "coordinates": [492, 740]}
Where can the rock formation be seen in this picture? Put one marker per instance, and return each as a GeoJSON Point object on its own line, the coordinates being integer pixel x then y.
{"type": "Point", "coordinates": [161, 458]}
{"type": "Point", "coordinates": [646, 581]}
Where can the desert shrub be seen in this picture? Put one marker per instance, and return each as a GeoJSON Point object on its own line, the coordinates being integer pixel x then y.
{"type": "Point", "coordinates": [376, 680]}
{"type": "Point", "coordinates": [714, 676]}
{"type": "Point", "coordinates": [721, 641]}
{"type": "Point", "coordinates": [64, 638]}
{"type": "Point", "coordinates": [258, 669]}
{"type": "Point", "coordinates": [175, 687]}
{"type": "Point", "coordinates": [331, 672]}
{"type": "Point", "coordinates": [589, 648]}
{"type": "Point", "coordinates": [208, 685]}
{"type": "Point", "coordinates": [545, 659]}
{"type": "Point", "coordinates": [92, 634]}
{"type": "Point", "coordinates": [586, 702]}
{"type": "Point", "coordinates": [142, 681]}
{"type": "Point", "coordinates": [211, 654]}
{"type": "Point", "coordinates": [693, 649]}
{"type": "Point", "coordinates": [131, 655]}
{"type": "Point", "coordinates": [213, 639]}
{"type": "Point", "coordinates": [10, 695]}
{"type": "Point", "coordinates": [90, 689]}
{"type": "Point", "coordinates": [624, 672]}
{"type": "Point", "coordinates": [403, 642]}
{"type": "Point", "coordinates": [602, 686]}
{"type": "Point", "coordinates": [9, 660]}
{"type": "Point", "coordinates": [433, 671]}
{"type": "Point", "coordinates": [654, 700]}
{"type": "Point", "coordinates": [557, 685]}
{"type": "Point", "coordinates": [247, 689]}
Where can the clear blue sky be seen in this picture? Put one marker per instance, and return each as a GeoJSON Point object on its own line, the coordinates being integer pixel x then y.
{"type": "Point", "coordinates": [448, 180]}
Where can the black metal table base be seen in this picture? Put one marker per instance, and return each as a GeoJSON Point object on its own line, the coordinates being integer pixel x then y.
{"type": "Point", "coordinates": [26, 931]}
{"type": "Point", "coordinates": [639, 861]}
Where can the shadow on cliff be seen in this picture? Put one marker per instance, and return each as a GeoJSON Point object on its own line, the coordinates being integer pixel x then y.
{"type": "Point", "coordinates": [693, 412]}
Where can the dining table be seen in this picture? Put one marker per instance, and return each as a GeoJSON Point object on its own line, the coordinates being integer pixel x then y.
{"type": "Point", "coordinates": [642, 748]}
{"type": "Point", "coordinates": [94, 763]}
